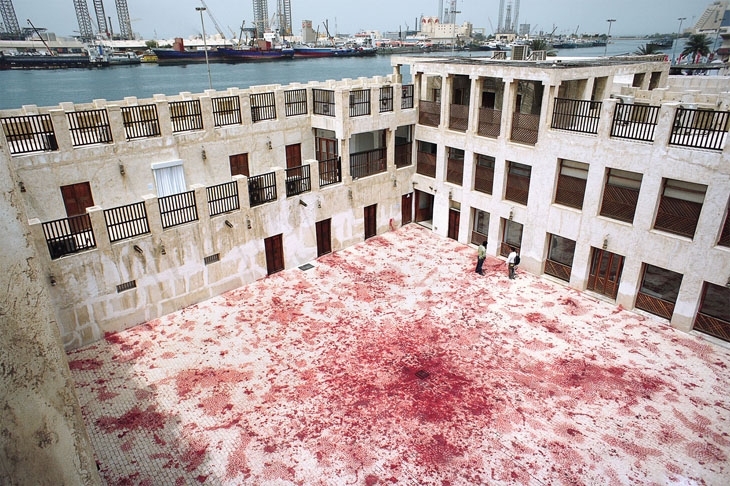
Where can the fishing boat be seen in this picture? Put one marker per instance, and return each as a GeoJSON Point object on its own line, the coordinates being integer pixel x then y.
{"type": "Point", "coordinates": [123, 58]}
{"type": "Point", "coordinates": [334, 51]}
{"type": "Point", "coordinates": [177, 54]}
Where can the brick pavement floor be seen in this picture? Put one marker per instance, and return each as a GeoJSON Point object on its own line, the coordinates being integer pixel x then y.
{"type": "Point", "coordinates": [392, 362]}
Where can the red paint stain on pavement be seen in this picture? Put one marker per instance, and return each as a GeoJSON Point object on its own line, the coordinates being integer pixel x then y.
{"type": "Point", "coordinates": [149, 419]}
{"type": "Point", "coordinates": [85, 364]}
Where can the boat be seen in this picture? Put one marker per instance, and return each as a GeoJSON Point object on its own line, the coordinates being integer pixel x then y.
{"type": "Point", "coordinates": [261, 50]}
{"type": "Point", "coordinates": [334, 51]}
{"type": "Point", "coordinates": [123, 58]}
{"type": "Point", "coordinates": [177, 54]}
{"type": "Point", "coordinates": [36, 60]}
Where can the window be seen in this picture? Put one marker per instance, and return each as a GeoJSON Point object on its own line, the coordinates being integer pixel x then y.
{"type": "Point", "coordinates": [560, 257]}
{"type": "Point", "coordinates": [680, 207]}
{"type": "Point", "coordinates": [620, 195]}
{"type": "Point", "coordinates": [518, 182]}
{"type": "Point", "coordinates": [480, 228]}
{"type": "Point", "coordinates": [426, 159]}
{"type": "Point", "coordinates": [226, 111]}
{"type": "Point", "coordinates": [658, 291]}
{"type": "Point", "coordinates": [295, 102]}
{"type": "Point", "coordinates": [359, 102]}
{"type": "Point", "coordinates": [263, 107]}
{"type": "Point", "coordinates": [511, 236]}
{"type": "Point", "coordinates": [713, 317]}
{"type": "Point", "coordinates": [386, 98]}
{"type": "Point", "coordinates": [725, 233]}
{"type": "Point", "coordinates": [239, 164]}
{"type": "Point", "coordinates": [484, 174]}
{"type": "Point", "coordinates": [403, 145]}
{"type": "Point", "coordinates": [186, 116]}
{"type": "Point", "coordinates": [169, 177]}
{"type": "Point", "coordinates": [571, 183]}
{"type": "Point", "coordinates": [455, 166]}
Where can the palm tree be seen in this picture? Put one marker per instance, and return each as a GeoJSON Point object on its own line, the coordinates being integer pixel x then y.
{"type": "Point", "coordinates": [697, 44]}
{"type": "Point", "coordinates": [542, 45]}
{"type": "Point", "coordinates": [647, 49]}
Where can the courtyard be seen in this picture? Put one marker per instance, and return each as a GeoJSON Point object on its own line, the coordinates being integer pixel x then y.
{"type": "Point", "coordinates": [392, 362]}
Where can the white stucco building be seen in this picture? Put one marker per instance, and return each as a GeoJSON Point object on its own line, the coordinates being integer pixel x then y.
{"type": "Point", "coordinates": [608, 175]}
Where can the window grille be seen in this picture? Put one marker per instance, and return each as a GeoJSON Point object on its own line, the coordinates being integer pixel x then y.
{"type": "Point", "coordinates": [295, 102]}
{"type": "Point", "coordinates": [263, 107]}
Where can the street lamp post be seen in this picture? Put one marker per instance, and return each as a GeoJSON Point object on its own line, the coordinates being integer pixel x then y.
{"type": "Point", "coordinates": [205, 45]}
{"type": "Point", "coordinates": [676, 41]}
{"type": "Point", "coordinates": [608, 37]}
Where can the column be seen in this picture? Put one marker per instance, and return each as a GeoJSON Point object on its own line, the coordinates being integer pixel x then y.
{"type": "Point", "coordinates": [474, 103]}
{"type": "Point", "coordinates": [508, 108]}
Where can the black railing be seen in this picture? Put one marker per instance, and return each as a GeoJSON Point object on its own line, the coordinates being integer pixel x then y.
{"type": "Point", "coordinates": [262, 189]}
{"type": "Point", "coordinates": [178, 209]}
{"type": "Point", "coordinates": [126, 221]}
{"type": "Point", "coordinates": [704, 129]}
{"type": "Point", "coordinates": [298, 180]}
{"type": "Point", "coordinates": [186, 116]}
{"type": "Point", "coordinates": [324, 102]}
{"type": "Point", "coordinates": [226, 111]}
{"type": "Point", "coordinates": [140, 121]}
{"type": "Point", "coordinates": [406, 101]}
{"type": "Point", "coordinates": [634, 122]}
{"type": "Point", "coordinates": [29, 133]}
{"type": "Point", "coordinates": [576, 115]}
{"type": "Point", "coordinates": [263, 107]}
{"type": "Point", "coordinates": [330, 171]}
{"type": "Point", "coordinates": [359, 102]}
{"type": "Point", "coordinates": [386, 99]}
{"type": "Point", "coordinates": [223, 198]}
{"type": "Point", "coordinates": [69, 235]}
{"type": "Point", "coordinates": [89, 127]}
{"type": "Point", "coordinates": [295, 102]}
{"type": "Point", "coordinates": [363, 164]}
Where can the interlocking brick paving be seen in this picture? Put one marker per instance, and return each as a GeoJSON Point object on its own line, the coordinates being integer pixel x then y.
{"type": "Point", "coordinates": [392, 362]}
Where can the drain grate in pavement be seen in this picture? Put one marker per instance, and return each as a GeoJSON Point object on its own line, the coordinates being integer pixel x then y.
{"type": "Point", "coordinates": [422, 374]}
{"type": "Point", "coordinates": [306, 266]}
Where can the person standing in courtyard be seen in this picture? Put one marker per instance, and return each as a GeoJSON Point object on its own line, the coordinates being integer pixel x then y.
{"type": "Point", "coordinates": [481, 255]}
{"type": "Point", "coordinates": [513, 259]}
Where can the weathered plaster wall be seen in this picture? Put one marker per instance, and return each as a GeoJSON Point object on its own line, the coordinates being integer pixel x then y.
{"type": "Point", "coordinates": [43, 440]}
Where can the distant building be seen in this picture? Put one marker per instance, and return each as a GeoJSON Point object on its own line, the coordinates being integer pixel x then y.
{"type": "Point", "coordinates": [308, 34]}
{"type": "Point", "coordinates": [444, 33]}
{"type": "Point", "coordinates": [711, 20]}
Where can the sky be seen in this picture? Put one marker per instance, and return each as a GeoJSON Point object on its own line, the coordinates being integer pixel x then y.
{"type": "Point", "coordinates": [164, 19]}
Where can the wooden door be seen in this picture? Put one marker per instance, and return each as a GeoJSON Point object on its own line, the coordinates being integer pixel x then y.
{"type": "Point", "coordinates": [326, 149]}
{"type": "Point", "coordinates": [239, 164]}
{"type": "Point", "coordinates": [454, 216]}
{"type": "Point", "coordinates": [406, 208]}
{"type": "Point", "coordinates": [274, 254]}
{"type": "Point", "coordinates": [605, 275]}
{"type": "Point", "coordinates": [424, 206]}
{"type": "Point", "coordinates": [293, 155]}
{"type": "Point", "coordinates": [76, 198]}
{"type": "Point", "coordinates": [371, 228]}
{"type": "Point", "coordinates": [324, 237]}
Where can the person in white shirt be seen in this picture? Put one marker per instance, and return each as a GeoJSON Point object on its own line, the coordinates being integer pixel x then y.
{"type": "Point", "coordinates": [481, 255]}
{"type": "Point", "coordinates": [512, 262]}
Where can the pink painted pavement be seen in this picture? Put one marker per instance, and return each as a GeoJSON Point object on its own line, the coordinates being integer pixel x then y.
{"type": "Point", "coordinates": [392, 362]}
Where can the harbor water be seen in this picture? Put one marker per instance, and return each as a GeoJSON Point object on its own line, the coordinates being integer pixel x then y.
{"type": "Point", "coordinates": [51, 87]}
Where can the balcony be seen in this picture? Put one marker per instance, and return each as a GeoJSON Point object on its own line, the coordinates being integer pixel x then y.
{"type": "Point", "coordinates": [634, 122]}
{"type": "Point", "coordinates": [298, 180]}
{"type": "Point", "coordinates": [459, 118]}
{"type": "Point", "coordinates": [429, 113]}
{"type": "Point", "coordinates": [489, 122]}
{"type": "Point", "coordinates": [525, 127]}
{"type": "Point", "coordinates": [580, 116]}
{"type": "Point", "coordinates": [426, 164]}
{"type": "Point", "coordinates": [363, 164]}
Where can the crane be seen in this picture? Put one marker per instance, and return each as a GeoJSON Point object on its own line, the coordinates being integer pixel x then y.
{"type": "Point", "coordinates": [215, 22]}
